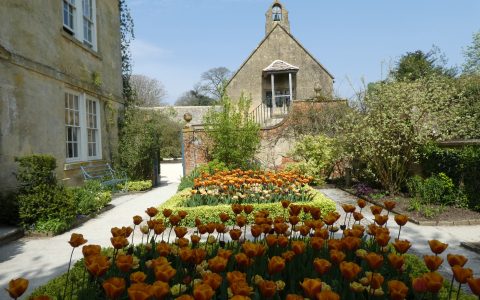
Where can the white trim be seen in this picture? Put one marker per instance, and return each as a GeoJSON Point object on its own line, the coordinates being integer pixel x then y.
{"type": "Point", "coordinates": [83, 136]}
{"type": "Point", "coordinates": [78, 20]}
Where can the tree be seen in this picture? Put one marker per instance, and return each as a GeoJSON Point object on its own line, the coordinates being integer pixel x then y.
{"type": "Point", "coordinates": [400, 117]}
{"type": "Point", "coordinates": [213, 82]}
{"type": "Point", "coordinates": [147, 91]}
{"type": "Point", "coordinates": [415, 65]}
{"type": "Point", "coordinates": [194, 97]}
{"type": "Point", "coordinates": [472, 56]}
{"type": "Point", "coordinates": [235, 137]}
{"type": "Point", "coordinates": [126, 37]}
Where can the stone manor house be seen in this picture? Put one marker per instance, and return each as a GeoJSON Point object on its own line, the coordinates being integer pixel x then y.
{"type": "Point", "coordinates": [60, 83]}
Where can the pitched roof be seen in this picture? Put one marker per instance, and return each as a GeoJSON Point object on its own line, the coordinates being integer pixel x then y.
{"type": "Point", "coordinates": [263, 41]}
{"type": "Point", "coordinates": [280, 65]}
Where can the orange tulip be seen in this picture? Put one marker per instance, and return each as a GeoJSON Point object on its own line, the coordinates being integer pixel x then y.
{"type": "Point", "coordinates": [195, 239]}
{"type": "Point", "coordinates": [348, 208]}
{"type": "Point", "coordinates": [357, 216]}
{"type": "Point", "coordinates": [139, 291]}
{"type": "Point", "coordinates": [317, 243]}
{"type": "Point", "coordinates": [432, 262]}
{"type": "Point", "coordinates": [236, 276]}
{"type": "Point", "coordinates": [42, 297]}
{"type": "Point", "coordinates": [462, 274]}
{"type": "Point", "coordinates": [119, 242]}
{"type": "Point", "coordinates": [456, 260]}
{"type": "Point", "coordinates": [285, 203]}
{"type": "Point", "coordinates": [267, 288]}
{"type": "Point", "coordinates": [248, 209]}
{"type": "Point", "coordinates": [282, 241]}
{"type": "Point", "coordinates": [185, 297]}
{"type": "Point", "coordinates": [241, 220]}
{"type": "Point", "coordinates": [271, 240]}
{"type": "Point", "coordinates": [167, 212]}
{"type": "Point", "coordinates": [224, 217]}
{"type": "Point", "coordinates": [159, 261]}
{"type": "Point", "coordinates": [351, 243]}
{"type": "Point", "coordinates": [376, 210]}
{"type": "Point", "coordinates": [276, 264]}
{"type": "Point", "coordinates": [89, 250]}
{"type": "Point", "coordinates": [185, 254]}
{"type": "Point", "coordinates": [322, 266]}
{"type": "Point", "coordinates": [294, 219]}
{"type": "Point", "coordinates": [164, 272]}
{"type": "Point", "coordinates": [280, 228]}
{"type": "Point", "coordinates": [163, 249]}
{"type": "Point", "coordinates": [294, 297]}
{"type": "Point", "coordinates": [328, 295]}
{"type": "Point", "coordinates": [124, 262]}
{"type": "Point", "coordinates": [382, 239]}
{"type": "Point", "coordinates": [217, 264]}
{"type": "Point", "coordinates": [182, 214]}
{"type": "Point", "coordinates": [437, 247]}
{"type": "Point", "coordinates": [237, 208]}
{"type": "Point", "coordinates": [159, 228]}
{"type": "Point", "coordinates": [316, 213]}
{"type": "Point", "coordinates": [240, 297]}
{"type": "Point", "coordinates": [180, 232]}
{"type": "Point", "coordinates": [474, 285]}
{"type": "Point", "coordinates": [241, 288]}
{"type": "Point", "coordinates": [97, 265]}
{"type": "Point", "coordinates": [397, 289]}
{"type": "Point", "coordinates": [381, 219]}
{"type": "Point", "coordinates": [349, 270]}
{"type": "Point", "coordinates": [389, 205]}
{"type": "Point", "coordinates": [203, 292]}
{"type": "Point", "coordinates": [151, 212]}
{"type": "Point", "coordinates": [77, 240]}
{"type": "Point", "coordinates": [243, 260]}
{"type": "Point", "coordinates": [16, 287]}
{"type": "Point", "coordinates": [211, 227]}
{"type": "Point", "coordinates": [295, 209]}
{"type": "Point", "coordinates": [361, 203]}
{"type": "Point", "coordinates": [335, 244]}
{"type": "Point", "coordinates": [288, 255]}
{"type": "Point", "coordinates": [376, 280]}
{"type": "Point", "coordinates": [256, 230]}
{"type": "Point", "coordinates": [337, 256]}
{"type": "Point", "coordinates": [174, 220]}
{"type": "Point", "coordinates": [434, 282]}
{"type": "Point", "coordinates": [402, 246]}
{"type": "Point", "coordinates": [396, 261]}
{"type": "Point", "coordinates": [311, 287]}
{"type": "Point", "coordinates": [401, 220]}
{"type": "Point", "coordinates": [160, 290]}
{"type": "Point", "coordinates": [298, 247]}
{"type": "Point", "coordinates": [114, 287]}
{"type": "Point", "coordinates": [420, 285]}
{"type": "Point", "coordinates": [235, 234]}
{"type": "Point", "coordinates": [323, 233]}
{"type": "Point", "coordinates": [224, 253]}
{"type": "Point", "coordinates": [213, 280]}
{"type": "Point", "coordinates": [198, 255]}
{"type": "Point", "coordinates": [137, 220]}
{"type": "Point", "coordinates": [374, 260]}
{"type": "Point", "coordinates": [138, 277]}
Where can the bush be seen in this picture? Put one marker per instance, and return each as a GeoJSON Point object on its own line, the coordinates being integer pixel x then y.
{"type": "Point", "coordinates": [437, 189]}
{"type": "Point", "coordinates": [210, 213]}
{"type": "Point", "coordinates": [210, 168]}
{"type": "Point", "coordinates": [137, 186]}
{"type": "Point", "coordinates": [462, 165]}
{"type": "Point", "coordinates": [91, 197]}
{"type": "Point", "coordinates": [40, 197]}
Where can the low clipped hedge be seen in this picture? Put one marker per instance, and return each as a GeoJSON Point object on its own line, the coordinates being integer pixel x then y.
{"type": "Point", "coordinates": [209, 214]}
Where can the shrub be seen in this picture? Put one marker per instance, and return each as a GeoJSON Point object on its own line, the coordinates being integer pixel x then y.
{"type": "Point", "coordinates": [40, 197]}
{"type": "Point", "coordinates": [210, 213]}
{"type": "Point", "coordinates": [210, 168]}
{"type": "Point", "coordinates": [137, 186]}
{"type": "Point", "coordinates": [316, 156]}
{"type": "Point", "coordinates": [91, 197]}
{"type": "Point", "coordinates": [437, 189]}
{"type": "Point", "coordinates": [234, 135]}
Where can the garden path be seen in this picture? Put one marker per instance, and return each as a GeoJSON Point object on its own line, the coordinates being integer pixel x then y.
{"type": "Point", "coordinates": [41, 259]}
{"type": "Point", "coordinates": [420, 235]}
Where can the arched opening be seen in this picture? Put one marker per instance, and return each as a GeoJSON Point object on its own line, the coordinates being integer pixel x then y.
{"type": "Point", "coordinates": [277, 12]}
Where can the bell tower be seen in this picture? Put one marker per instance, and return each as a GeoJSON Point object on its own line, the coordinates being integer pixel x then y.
{"type": "Point", "coordinates": [276, 14]}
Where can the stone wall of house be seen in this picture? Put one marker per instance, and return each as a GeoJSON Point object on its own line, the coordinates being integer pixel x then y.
{"type": "Point", "coordinates": [279, 45]}
{"type": "Point", "coordinates": [39, 62]}
{"type": "Point", "coordinates": [276, 141]}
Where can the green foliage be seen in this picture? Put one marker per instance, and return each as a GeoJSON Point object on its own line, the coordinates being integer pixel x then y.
{"type": "Point", "coordinates": [418, 64]}
{"type": "Point", "coordinates": [211, 167]}
{"type": "Point", "coordinates": [437, 189]}
{"type": "Point", "coordinates": [145, 136]}
{"type": "Point", "coordinates": [316, 156]}
{"type": "Point", "coordinates": [35, 170]}
{"type": "Point", "coordinates": [472, 56]}
{"type": "Point", "coordinates": [400, 118]}
{"type": "Point", "coordinates": [91, 197]}
{"type": "Point", "coordinates": [234, 135]}
{"type": "Point", "coordinates": [210, 213]}
{"type": "Point", "coordinates": [55, 226]}
{"type": "Point", "coordinates": [126, 37]}
{"type": "Point", "coordinates": [462, 165]}
{"type": "Point", "coordinates": [137, 186]}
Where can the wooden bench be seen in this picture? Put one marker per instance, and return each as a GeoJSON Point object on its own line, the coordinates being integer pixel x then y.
{"type": "Point", "coordinates": [105, 175]}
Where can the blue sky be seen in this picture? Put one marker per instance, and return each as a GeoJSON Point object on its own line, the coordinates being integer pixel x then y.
{"type": "Point", "coordinates": [177, 40]}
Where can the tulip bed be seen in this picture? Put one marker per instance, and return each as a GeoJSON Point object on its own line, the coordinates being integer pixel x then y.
{"type": "Point", "coordinates": [237, 186]}
{"type": "Point", "coordinates": [287, 257]}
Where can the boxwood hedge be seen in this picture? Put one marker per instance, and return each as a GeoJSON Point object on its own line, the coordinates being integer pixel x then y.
{"type": "Point", "coordinates": [210, 213]}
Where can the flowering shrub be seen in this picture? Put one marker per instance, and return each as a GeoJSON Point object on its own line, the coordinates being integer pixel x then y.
{"type": "Point", "coordinates": [287, 257]}
{"type": "Point", "coordinates": [237, 186]}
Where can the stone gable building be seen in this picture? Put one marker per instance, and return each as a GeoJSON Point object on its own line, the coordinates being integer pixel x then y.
{"type": "Point", "coordinates": [280, 70]}
{"type": "Point", "coordinates": [60, 83]}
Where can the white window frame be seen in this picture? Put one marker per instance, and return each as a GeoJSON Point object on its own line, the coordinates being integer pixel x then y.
{"type": "Point", "coordinates": [83, 142]}
{"type": "Point", "coordinates": [78, 30]}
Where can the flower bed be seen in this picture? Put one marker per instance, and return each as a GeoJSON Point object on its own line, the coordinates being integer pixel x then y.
{"type": "Point", "coordinates": [207, 213]}
{"type": "Point", "coordinates": [288, 258]}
